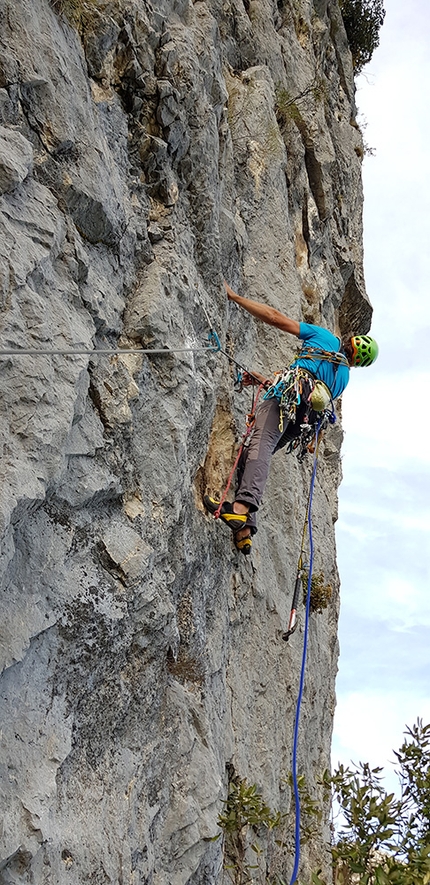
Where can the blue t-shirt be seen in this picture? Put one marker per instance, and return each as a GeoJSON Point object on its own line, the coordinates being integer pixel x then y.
{"type": "Point", "coordinates": [335, 377]}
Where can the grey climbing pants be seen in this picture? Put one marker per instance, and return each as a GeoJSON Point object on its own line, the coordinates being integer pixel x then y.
{"type": "Point", "coordinates": [254, 463]}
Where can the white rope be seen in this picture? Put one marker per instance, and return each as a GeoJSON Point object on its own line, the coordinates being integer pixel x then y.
{"type": "Point", "coordinates": [106, 351]}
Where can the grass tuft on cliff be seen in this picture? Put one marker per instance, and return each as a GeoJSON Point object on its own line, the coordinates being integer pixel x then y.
{"type": "Point", "coordinates": [77, 12]}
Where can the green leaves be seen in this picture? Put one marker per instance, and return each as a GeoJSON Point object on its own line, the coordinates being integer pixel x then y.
{"type": "Point", "coordinates": [245, 807]}
{"type": "Point", "coordinates": [363, 20]}
{"type": "Point", "coordinates": [414, 775]}
{"type": "Point", "coordinates": [385, 840]}
{"type": "Point", "coordinates": [245, 812]}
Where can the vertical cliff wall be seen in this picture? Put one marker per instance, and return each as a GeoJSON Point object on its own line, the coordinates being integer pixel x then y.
{"type": "Point", "coordinates": [147, 151]}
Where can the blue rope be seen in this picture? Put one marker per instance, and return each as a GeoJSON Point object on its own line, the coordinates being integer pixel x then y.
{"type": "Point", "coordinates": [302, 674]}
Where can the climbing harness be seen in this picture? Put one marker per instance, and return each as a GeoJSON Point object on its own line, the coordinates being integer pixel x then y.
{"type": "Point", "coordinates": [212, 345]}
{"type": "Point", "coordinates": [291, 628]}
{"type": "Point", "coordinates": [314, 359]}
{"type": "Point", "coordinates": [294, 387]}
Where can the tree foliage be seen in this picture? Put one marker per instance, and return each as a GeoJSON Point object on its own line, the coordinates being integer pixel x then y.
{"type": "Point", "coordinates": [384, 839]}
{"type": "Point", "coordinates": [363, 20]}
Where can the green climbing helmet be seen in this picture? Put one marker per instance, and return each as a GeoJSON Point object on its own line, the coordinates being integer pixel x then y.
{"type": "Point", "coordinates": [364, 350]}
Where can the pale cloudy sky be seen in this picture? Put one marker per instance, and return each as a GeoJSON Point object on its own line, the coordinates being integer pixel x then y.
{"type": "Point", "coordinates": [384, 526]}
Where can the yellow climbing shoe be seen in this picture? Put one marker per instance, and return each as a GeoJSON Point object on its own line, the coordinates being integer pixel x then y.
{"type": "Point", "coordinates": [235, 521]}
{"type": "Point", "coordinates": [244, 545]}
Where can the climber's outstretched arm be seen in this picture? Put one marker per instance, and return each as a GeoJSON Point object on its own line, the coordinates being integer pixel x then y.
{"type": "Point", "coordinates": [268, 315]}
{"type": "Point", "coordinates": [249, 378]}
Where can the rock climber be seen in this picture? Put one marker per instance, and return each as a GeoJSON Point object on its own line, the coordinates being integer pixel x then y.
{"type": "Point", "coordinates": [316, 377]}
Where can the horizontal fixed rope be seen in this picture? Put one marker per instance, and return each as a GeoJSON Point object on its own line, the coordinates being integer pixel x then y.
{"type": "Point", "coordinates": [113, 352]}
{"type": "Point", "coordinates": [213, 346]}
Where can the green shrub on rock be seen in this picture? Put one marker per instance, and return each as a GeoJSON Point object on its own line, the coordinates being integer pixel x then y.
{"type": "Point", "coordinates": [384, 839]}
{"type": "Point", "coordinates": [363, 20]}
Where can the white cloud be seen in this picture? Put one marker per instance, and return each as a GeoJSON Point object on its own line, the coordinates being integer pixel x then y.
{"type": "Point", "coordinates": [370, 725]}
{"type": "Point", "coordinates": [397, 193]}
{"type": "Point", "coordinates": [385, 419]}
{"type": "Point", "coordinates": [390, 518]}
{"type": "Point", "coordinates": [396, 601]}
{"type": "Point", "coordinates": [384, 512]}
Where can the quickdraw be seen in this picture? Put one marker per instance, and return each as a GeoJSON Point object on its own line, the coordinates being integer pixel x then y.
{"type": "Point", "coordinates": [288, 389]}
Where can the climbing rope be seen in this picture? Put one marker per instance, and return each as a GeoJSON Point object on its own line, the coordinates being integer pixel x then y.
{"type": "Point", "coordinates": [308, 522]}
{"type": "Point", "coordinates": [239, 366]}
{"type": "Point", "coordinates": [250, 418]}
{"type": "Point", "coordinates": [316, 353]}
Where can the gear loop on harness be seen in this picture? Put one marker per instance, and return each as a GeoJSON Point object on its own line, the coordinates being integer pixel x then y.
{"type": "Point", "coordinates": [288, 389]}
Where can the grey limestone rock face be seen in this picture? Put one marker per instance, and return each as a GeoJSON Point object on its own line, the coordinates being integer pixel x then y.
{"type": "Point", "coordinates": [16, 159]}
{"type": "Point", "coordinates": [147, 152]}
